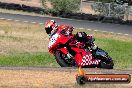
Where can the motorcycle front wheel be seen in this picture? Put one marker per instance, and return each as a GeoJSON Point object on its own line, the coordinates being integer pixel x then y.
{"type": "Point", "coordinates": [61, 59]}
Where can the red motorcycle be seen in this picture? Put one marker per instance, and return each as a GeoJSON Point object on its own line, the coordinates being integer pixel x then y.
{"type": "Point", "coordinates": [68, 48]}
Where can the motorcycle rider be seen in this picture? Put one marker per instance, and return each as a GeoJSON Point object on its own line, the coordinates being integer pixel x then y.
{"type": "Point", "coordinates": [52, 28]}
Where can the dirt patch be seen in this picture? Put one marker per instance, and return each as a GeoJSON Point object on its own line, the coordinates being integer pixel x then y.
{"type": "Point", "coordinates": [44, 79]}
{"type": "Point", "coordinates": [35, 3]}
{"type": "Point", "coordinates": [86, 8]}
{"type": "Point", "coordinates": [35, 78]}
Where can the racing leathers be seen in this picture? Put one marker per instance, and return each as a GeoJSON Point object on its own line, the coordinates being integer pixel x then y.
{"type": "Point", "coordinates": [88, 60]}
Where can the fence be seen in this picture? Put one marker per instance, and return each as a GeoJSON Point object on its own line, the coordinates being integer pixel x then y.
{"type": "Point", "coordinates": [111, 9]}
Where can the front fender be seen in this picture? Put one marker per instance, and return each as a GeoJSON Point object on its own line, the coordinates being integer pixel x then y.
{"type": "Point", "coordinates": [64, 50]}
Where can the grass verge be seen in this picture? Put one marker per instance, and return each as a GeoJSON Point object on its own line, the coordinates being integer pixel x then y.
{"type": "Point", "coordinates": [23, 13]}
{"type": "Point", "coordinates": [28, 59]}
{"type": "Point", "coordinates": [23, 44]}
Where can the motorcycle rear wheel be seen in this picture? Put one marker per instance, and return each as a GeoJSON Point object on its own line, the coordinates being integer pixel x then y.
{"type": "Point", "coordinates": [108, 64]}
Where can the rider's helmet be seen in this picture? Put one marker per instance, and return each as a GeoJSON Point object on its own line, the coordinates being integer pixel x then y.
{"type": "Point", "coordinates": [49, 26]}
{"type": "Point", "coordinates": [81, 36]}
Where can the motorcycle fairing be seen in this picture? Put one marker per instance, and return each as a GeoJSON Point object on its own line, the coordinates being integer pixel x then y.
{"type": "Point", "coordinates": [56, 40]}
{"type": "Point", "coordinates": [86, 59]}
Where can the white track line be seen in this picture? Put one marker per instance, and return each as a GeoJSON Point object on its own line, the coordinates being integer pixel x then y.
{"type": "Point", "coordinates": [127, 34]}
{"type": "Point", "coordinates": [16, 20]}
{"type": "Point", "coordinates": [9, 19]}
{"type": "Point", "coordinates": [33, 22]}
{"type": "Point", "coordinates": [89, 29]}
{"type": "Point", "coordinates": [104, 31]}
{"type": "Point", "coordinates": [119, 33]}
{"type": "Point", "coordinates": [2, 18]}
{"type": "Point", "coordinates": [25, 21]}
{"type": "Point", "coordinates": [96, 30]}
{"type": "Point", "coordinates": [79, 28]}
{"type": "Point", "coordinates": [112, 32]}
{"type": "Point", "coordinates": [41, 23]}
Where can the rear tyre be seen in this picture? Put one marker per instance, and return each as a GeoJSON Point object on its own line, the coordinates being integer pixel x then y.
{"type": "Point", "coordinates": [108, 64]}
{"type": "Point", "coordinates": [60, 58]}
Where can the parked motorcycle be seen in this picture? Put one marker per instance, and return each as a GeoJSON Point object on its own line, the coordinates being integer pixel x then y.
{"type": "Point", "coordinates": [68, 49]}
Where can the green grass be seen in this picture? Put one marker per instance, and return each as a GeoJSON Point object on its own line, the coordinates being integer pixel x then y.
{"type": "Point", "coordinates": [28, 59]}
{"type": "Point", "coordinates": [120, 51]}
{"type": "Point", "coordinates": [23, 44]}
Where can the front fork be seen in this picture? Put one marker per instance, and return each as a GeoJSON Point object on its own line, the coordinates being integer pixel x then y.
{"type": "Point", "coordinates": [69, 58]}
{"type": "Point", "coordinates": [66, 52]}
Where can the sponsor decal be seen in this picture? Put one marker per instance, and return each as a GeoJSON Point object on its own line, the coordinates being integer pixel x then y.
{"type": "Point", "coordinates": [108, 78]}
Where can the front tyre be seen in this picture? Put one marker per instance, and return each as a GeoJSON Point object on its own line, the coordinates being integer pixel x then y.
{"type": "Point", "coordinates": [61, 59]}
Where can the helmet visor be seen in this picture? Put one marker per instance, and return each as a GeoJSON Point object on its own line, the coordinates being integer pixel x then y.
{"type": "Point", "coordinates": [48, 30]}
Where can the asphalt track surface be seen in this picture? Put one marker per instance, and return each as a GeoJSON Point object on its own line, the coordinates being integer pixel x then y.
{"type": "Point", "coordinates": [104, 27]}
{"type": "Point", "coordinates": [70, 69]}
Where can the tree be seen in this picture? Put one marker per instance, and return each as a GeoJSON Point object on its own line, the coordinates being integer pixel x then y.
{"type": "Point", "coordinates": [63, 6]}
{"type": "Point", "coordinates": [43, 3]}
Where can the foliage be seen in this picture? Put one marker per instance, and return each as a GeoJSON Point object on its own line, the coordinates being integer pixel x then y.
{"type": "Point", "coordinates": [43, 3]}
{"type": "Point", "coordinates": [63, 6]}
